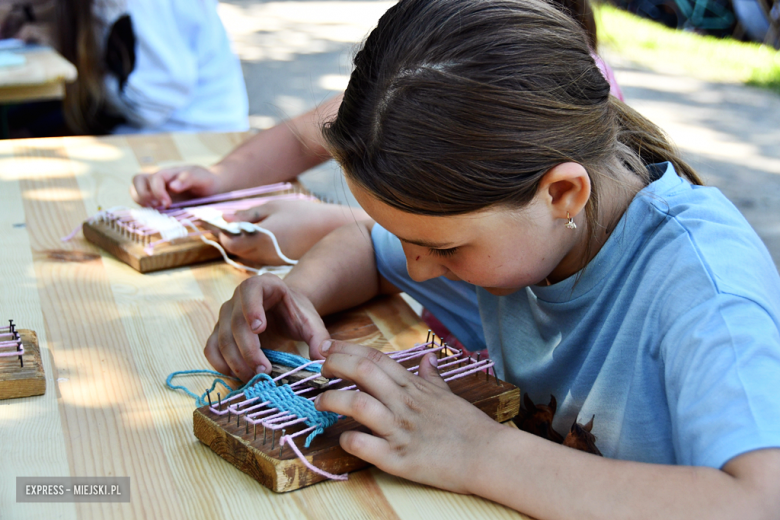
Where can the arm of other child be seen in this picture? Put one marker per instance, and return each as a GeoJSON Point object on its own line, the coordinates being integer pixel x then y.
{"type": "Point", "coordinates": [274, 155]}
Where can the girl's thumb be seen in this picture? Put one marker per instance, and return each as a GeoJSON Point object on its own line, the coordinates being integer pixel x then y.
{"type": "Point", "coordinates": [430, 372]}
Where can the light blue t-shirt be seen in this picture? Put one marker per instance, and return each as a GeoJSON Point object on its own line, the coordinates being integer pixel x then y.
{"type": "Point", "coordinates": [670, 336]}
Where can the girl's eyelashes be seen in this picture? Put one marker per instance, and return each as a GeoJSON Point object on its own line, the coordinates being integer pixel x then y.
{"type": "Point", "coordinates": [443, 253]}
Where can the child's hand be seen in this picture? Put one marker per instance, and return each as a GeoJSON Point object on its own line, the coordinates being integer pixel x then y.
{"type": "Point", "coordinates": [297, 225]}
{"type": "Point", "coordinates": [420, 429]}
{"type": "Point", "coordinates": [262, 312]}
{"type": "Point", "coordinates": [182, 182]}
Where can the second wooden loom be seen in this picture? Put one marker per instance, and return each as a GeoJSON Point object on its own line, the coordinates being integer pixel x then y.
{"type": "Point", "coordinates": [151, 240]}
{"type": "Point", "coordinates": [248, 435]}
{"type": "Point", "coordinates": [21, 369]}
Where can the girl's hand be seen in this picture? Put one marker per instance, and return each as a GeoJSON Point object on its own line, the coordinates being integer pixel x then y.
{"type": "Point", "coordinates": [420, 429]}
{"type": "Point", "coordinates": [263, 311]}
{"type": "Point", "coordinates": [181, 182]}
{"type": "Point", "coordinates": [297, 225]}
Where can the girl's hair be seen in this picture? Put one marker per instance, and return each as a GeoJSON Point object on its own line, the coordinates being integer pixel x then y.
{"type": "Point", "coordinates": [458, 105]}
{"type": "Point", "coordinates": [78, 39]}
{"type": "Point", "coordinates": [582, 12]}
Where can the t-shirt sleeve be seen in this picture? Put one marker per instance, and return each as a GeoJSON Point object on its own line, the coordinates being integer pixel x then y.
{"type": "Point", "coordinates": [721, 361]}
{"type": "Point", "coordinates": [454, 303]}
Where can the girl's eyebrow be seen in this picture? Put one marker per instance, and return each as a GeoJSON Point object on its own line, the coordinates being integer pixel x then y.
{"type": "Point", "coordinates": [425, 243]}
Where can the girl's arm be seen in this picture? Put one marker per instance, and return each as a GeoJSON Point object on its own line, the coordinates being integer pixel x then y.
{"type": "Point", "coordinates": [274, 155]}
{"type": "Point", "coordinates": [423, 432]}
{"type": "Point", "coordinates": [548, 480]}
{"type": "Point", "coordinates": [339, 272]}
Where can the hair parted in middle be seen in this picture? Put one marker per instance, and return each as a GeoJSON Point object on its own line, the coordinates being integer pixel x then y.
{"type": "Point", "coordinates": [458, 105]}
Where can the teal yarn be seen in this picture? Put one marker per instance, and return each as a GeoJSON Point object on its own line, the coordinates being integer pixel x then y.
{"type": "Point", "coordinates": [284, 398]}
{"type": "Point", "coordinates": [201, 399]}
{"type": "Point", "coordinates": [290, 360]}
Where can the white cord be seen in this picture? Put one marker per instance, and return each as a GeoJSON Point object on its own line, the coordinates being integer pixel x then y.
{"type": "Point", "coordinates": [276, 244]}
{"type": "Point", "coordinates": [281, 271]}
{"type": "Point", "coordinates": [215, 218]}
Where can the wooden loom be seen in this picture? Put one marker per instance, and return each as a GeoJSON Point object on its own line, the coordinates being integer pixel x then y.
{"type": "Point", "coordinates": [146, 249]}
{"type": "Point", "coordinates": [21, 370]}
{"type": "Point", "coordinates": [255, 449]}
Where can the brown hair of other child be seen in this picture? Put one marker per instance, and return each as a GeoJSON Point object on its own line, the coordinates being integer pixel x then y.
{"type": "Point", "coordinates": [455, 106]}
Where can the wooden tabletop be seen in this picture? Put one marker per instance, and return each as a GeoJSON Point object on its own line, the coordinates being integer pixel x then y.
{"type": "Point", "coordinates": [43, 76]}
{"type": "Point", "coordinates": [109, 336]}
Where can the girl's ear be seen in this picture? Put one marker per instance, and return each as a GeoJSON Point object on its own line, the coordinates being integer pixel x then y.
{"type": "Point", "coordinates": [566, 189]}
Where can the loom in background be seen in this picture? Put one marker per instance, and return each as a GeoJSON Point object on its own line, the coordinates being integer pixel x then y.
{"type": "Point", "coordinates": [268, 444]}
{"type": "Point", "coordinates": [21, 370]}
{"type": "Point", "coordinates": [150, 240]}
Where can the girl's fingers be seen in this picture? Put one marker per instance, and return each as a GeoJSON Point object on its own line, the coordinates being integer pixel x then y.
{"type": "Point", "coordinates": [361, 406]}
{"type": "Point", "coordinates": [430, 372]}
{"type": "Point", "coordinates": [212, 353]}
{"type": "Point", "coordinates": [256, 214]}
{"type": "Point", "coordinates": [139, 189]}
{"type": "Point", "coordinates": [361, 364]}
{"type": "Point", "coordinates": [183, 180]}
{"type": "Point", "coordinates": [374, 450]}
{"type": "Point", "coordinates": [256, 295]}
{"type": "Point", "coordinates": [228, 347]}
{"type": "Point", "coordinates": [158, 189]}
{"type": "Point", "coordinates": [248, 344]}
{"type": "Point", "coordinates": [238, 245]}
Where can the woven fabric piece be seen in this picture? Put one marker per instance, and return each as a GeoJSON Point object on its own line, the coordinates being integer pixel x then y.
{"type": "Point", "coordinates": [284, 398]}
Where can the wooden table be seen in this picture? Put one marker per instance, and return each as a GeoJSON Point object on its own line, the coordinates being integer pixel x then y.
{"type": "Point", "coordinates": [42, 77]}
{"type": "Point", "coordinates": [109, 336]}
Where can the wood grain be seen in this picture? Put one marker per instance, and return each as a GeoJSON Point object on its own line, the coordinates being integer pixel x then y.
{"type": "Point", "coordinates": [17, 381]}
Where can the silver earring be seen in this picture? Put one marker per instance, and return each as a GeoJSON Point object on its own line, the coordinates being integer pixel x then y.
{"type": "Point", "coordinates": [570, 223]}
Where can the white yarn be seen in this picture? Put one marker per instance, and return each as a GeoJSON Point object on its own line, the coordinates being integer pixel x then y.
{"type": "Point", "coordinates": [168, 227]}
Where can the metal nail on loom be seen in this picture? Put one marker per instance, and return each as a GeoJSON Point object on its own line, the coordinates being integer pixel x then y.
{"type": "Point", "coordinates": [14, 341]}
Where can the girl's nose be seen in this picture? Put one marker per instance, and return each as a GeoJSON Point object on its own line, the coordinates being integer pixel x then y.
{"type": "Point", "coordinates": [422, 266]}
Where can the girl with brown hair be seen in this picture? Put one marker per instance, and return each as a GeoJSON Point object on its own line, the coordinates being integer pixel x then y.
{"type": "Point", "coordinates": [481, 138]}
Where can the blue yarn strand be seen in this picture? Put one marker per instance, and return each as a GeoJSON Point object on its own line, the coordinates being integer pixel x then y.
{"type": "Point", "coordinates": [290, 360]}
{"type": "Point", "coordinates": [200, 400]}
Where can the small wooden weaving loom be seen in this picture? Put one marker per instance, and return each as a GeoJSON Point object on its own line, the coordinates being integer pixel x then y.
{"type": "Point", "coordinates": [150, 240]}
{"type": "Point", "coordinates": [268, 444]}
{"type": "Point", "coordinates": [21, 370]}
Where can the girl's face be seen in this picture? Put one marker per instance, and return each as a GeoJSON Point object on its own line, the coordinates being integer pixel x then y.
{"type": "Point", "coordinates": [499, 249]}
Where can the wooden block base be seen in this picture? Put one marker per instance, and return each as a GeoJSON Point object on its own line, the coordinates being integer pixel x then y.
{"type": "Point", "coordinates": [17, 381]}
{"type": "Point", "coordinates": [165, 256]}
{"type": "Point", "coordinates": [280, 470]}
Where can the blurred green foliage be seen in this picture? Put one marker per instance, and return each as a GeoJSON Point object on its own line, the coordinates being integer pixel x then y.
{"type": "Point", "coordinates": [704, 57]}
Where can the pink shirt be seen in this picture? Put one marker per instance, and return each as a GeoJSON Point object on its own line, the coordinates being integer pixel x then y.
{"type": "Point", "coordinates": [614, 88]}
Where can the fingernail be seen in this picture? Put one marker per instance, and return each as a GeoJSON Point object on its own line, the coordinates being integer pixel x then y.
{"type": "Point", "coordinates": [325, 346]}
{"type": "Point", "coordinates": [256, 325]}
{"type": "Point", "coordinates": [317, 401]}
{"type": "Point", "coordinates": [260, 369]}
{"type": "Point", "coordinates": [154, 204]}
{"type": "Point", "coordinates": [433, 361]}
